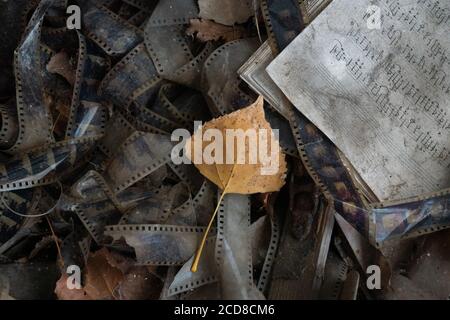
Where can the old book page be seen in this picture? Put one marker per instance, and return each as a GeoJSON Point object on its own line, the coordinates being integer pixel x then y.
{"type": "Point", "coordinates": [374, 76]}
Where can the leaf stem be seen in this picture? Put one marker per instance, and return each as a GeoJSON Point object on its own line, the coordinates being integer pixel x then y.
{"type": "Point", "coordinates": [198, 254]}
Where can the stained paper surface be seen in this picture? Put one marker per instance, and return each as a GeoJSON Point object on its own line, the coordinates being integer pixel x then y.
{"type": "Point", "coordinates": [374, 76]}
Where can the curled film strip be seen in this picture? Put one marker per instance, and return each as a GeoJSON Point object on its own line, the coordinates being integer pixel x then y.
{"type": "Point", "coordinates": [19, 200]}
{"type": "Point", "coordinates": [113, 34]}
{"type": "Point", "coordinates": [131, 73]}
{"type": "Point", "coordinates": [223, 93]}
{"type": "Point", "coordinates": [87, 115]}
{"type": "Point", "coordinates": [136, 159]}
{"type": "Point", "coordinates": [118, 129]}
{"type": "Point", "coordinates": [175, 55]}
{"type": "Point", "coordinates": [9, 124]}
{"type": "Point", "coordinates": [35, 123]}
{"type": "Point", "coordinates": [157, 207]}
{"type": "Point", "coordinates": [269, 260]}
{"type": "Point", "coordinates": [233, 247]}
{"type": "Point", "coordinates": [43, 165]}
{"type": "Point", "coordinates": [96, 215]}
{"type": "Point", "coordinates": [173, 12]}
{"type": "Point", "coordinates": [163, 245]}
{"type": "Point", "coordinates": [185, 280]}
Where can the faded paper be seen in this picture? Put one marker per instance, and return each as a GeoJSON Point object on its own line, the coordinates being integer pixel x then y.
{"type": "Point", "coordinates": [382, 94]}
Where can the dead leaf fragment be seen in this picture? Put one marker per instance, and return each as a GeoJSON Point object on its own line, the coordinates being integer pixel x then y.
{"type": "Point", "coordinates": [207, 30]}
{"type": "Point", "coordinates": [101, 278]}
{"type": "Point", "coordinates": [64, 293]}
{"type": "Point", "coordinates": [60, 64]}
{"type": "Point", "coordinates": [139, 284]}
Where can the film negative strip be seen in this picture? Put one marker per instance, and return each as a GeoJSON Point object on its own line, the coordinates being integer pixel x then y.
{"type": "Point", "coordinates": [159, 245]}
{"type": "Point", "coordinates": [151, 118]}
{"type": "Point", "coordinates": [190, 73]}
{"type": "Point", "coordinates": [146, 6]}
{"type": "Point", "coordinates": [168, 48]}
{"type": "Point", "coordinates": [185, 106]}
{"type": "Point", "coordinates": [118, 129]}
{"type": "Point", "coordinates": [223, 93]}
{"type": "Point", "coordinates": [196, 210]}
{"type": "Point", "coordinates": [96, 215]}
{"type": "Point", "coordinates": [286, 138]}
{"type": "Point", "coordinates": [87, 115]}
{"type": "Point", "coordinates": [35, 122]}
{"type": "Point", "coordinates": [274, 241]}
{"type": "Point", "coordinates": [175, 54]}
{"type": "Point", "coordinates": [186, 280]}
{"type": "Point", "coordinates": [393, 220]}
{"type": "Point", "coordinates": [9, 125]}
{"type": "Point", "coordinates": [233, 247]}
{"type": "Point", "coordinates": [307, 228]}
{"type": "Point", "coordinates": [113, 34]}
{"type": "Point", "coordinates": [58, 38]}
{"type": "Point", "coordinates": [137, 158]}
{"type": "Point", "coordinates": [10, 223]}
{"type": "Point", "coordinates": [285, 19]}
{"type": "Point", "coordinates": [168, 279]}
{"type": "Point", "coordinates": [43, 165]}
{"type": "Point", "coordinates": [139, 20]}
{"type": "Point", "coordinates": [99, 206]}
{"type": "Point", "coordinates": [133, 196]}
{"type": "Point", "coordinates": [134, 72]}
{"type": "Point", "coordinates": [189, 175]}
{"type": "Point", "coordinates": [173, 12]}
{"type": "Point", "coordinates": [144, 126]}
{"type": "Point", "coordinates": [324, 165]}
{"type": "Point", "coordinates": [364, 252]}
{"type": "Point", "coordinates": [157, 207]}
{"type": "Point", "coordinates": [335, 275]}
{"type": "Point", "coordinates": [93, 187]}
{"type": "Point", "coordinates": [207, 272]}
{"type": "Point", "coordinates": [95, 204]}
{"type": "Point", "coordinates": [212, 291]}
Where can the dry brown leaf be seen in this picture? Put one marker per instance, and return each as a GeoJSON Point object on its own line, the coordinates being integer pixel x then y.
{"type": "Point", "coordinates": [101, 280]}
{"type": "Point", "coordinates": [238, 178]}
{"type": "Point", "coordinates": [139, 284]}
{"type": "Point", "coordinates": [64, 293]}
{"type": "Point", "coordinates": [241, 178]}
{"type": "Point", "coordinates": [207, 30]}
{"type": "Point", "coordinates": [60, 64]}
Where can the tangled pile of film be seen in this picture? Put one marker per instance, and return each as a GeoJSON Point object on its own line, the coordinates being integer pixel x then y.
{"type": "Point", "coordinates": [85, 164]}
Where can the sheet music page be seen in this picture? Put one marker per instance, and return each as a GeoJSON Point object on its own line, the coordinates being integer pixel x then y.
{"type": "Point", "coordinates": [374, 76]}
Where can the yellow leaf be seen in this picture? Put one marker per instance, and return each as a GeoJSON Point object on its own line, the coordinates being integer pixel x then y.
{"type": "Point", "coordinates": [244, 177]}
